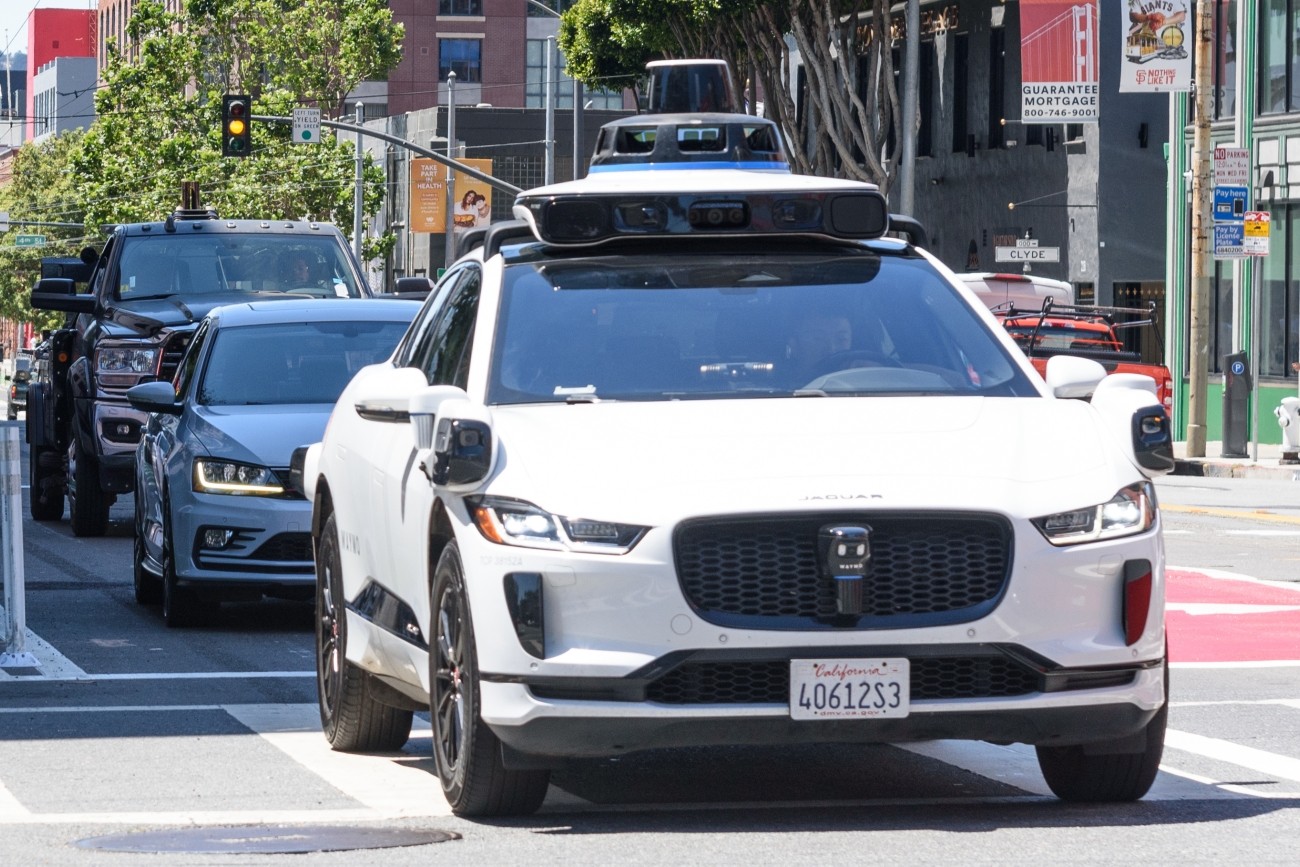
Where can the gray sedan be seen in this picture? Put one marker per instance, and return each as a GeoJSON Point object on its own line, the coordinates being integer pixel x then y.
{"type": "Point", "coordinates": [214, 516]}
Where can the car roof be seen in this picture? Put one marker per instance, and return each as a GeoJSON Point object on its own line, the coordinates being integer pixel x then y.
{"type": "Point", "coordinates": [229, 227]}
{"type": "Point", "coordinates": [270, 312]}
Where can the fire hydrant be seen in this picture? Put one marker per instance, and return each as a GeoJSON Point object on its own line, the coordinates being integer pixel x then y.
{"type": "Point", "coordinates": [1288, 416]}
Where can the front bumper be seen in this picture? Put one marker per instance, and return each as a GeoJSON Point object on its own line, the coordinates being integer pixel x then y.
{"type": "Point", "coordinates": [269, 541]}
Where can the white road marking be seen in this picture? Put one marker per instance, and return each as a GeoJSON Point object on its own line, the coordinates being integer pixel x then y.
{"type": "Point", "coordinates": [10, 808]}
{"type": "Point", "coordinates": [384, 784]}
{"type": "Point", "coordinates": [1261, 532]}
{"type": "Point", "coordinates": [53, 665]}
{"type": "Point", "coordinates": [1263, 762]}
{"type": "Point", "coordinates": [1200, 609]}
{"type": "Point", "coordinates": [1259, 663]}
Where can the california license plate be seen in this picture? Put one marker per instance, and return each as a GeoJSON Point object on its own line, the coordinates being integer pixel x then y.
{"type": "Point", "coordinates": [849, 688]}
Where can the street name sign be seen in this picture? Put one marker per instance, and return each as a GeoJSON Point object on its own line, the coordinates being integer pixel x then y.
{"type": "Point", "coordinates": [306, 125]}
{"type": "Point", "coordinates": [1027, 250]}
{"type": "Point", "coordinates": [29, 240]}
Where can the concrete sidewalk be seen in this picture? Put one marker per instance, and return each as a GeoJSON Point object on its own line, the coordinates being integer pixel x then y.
{"type": "Point", "coordinates": [1268, 464]}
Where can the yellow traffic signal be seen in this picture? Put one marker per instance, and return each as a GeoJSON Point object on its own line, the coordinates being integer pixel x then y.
{"type": "Point", "coordinates": [236, 131]}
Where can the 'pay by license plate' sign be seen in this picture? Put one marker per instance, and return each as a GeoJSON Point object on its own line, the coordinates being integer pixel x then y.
{"type": "Point", "coordinates": [849, 688]}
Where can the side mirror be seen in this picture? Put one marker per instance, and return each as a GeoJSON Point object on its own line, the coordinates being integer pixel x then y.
{"type": "Point", "coordinates": [154, 397]}
{"type": "Point", "coordinates": [462, 452]}
{"type": "Point", "coordinates": [1137, 421]}
{"type": "Point", "coordinates": [1071, 377]}
{"type": "Point", "coordinates": [59, 293]}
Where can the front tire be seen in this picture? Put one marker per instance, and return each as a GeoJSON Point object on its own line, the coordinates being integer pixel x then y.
{"type": "Point", "coordinates": [148, 587]}
{"type": "Point", "coordinates": [87, 504]}
{"type": "Point", "coordinates": [1073, 774]}
{"type": "Point", "coordinates": [352, 720]}
{"type": "Point", "coordinates": [467, 754]}
{"type": "Point", "coordinates": [181, 605]}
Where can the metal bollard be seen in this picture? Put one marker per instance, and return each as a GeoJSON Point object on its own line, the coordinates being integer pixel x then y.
{"type": "Point", "coordinates": [13, 615]}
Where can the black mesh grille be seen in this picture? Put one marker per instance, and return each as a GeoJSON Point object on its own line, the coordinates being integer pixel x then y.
{"type": "Point", "coordinates": [923, 568]}
{"type": "Point", "coordinates": [285, 546]}
{"type": "Point", "coordinates": [769, 682]}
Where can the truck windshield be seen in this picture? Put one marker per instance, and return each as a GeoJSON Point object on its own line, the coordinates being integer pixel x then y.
{"type": "Point", "coordinates": [714, 324]}
{"type": "Point", "coordinates": [188, 264]}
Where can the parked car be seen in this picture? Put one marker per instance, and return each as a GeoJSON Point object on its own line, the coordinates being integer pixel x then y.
{"type": "Point", "coordinates": [18, 385]}
{"type": "Point", "coordinates": [693, 458]}
{"type": "Point", "coordinates": [214, 518]}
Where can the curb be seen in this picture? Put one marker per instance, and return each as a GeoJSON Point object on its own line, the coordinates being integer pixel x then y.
{"type": "Point", "coordinates": [1230, 470]}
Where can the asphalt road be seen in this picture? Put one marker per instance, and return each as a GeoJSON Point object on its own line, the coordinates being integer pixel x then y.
{"type": "Point", "coordinates": [175, 740]}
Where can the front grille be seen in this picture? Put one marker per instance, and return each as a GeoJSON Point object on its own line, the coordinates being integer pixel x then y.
{"type": "Point", "coordinates": [764, 573]}
{"type": "Point", "coordinates": [283, 553]}
{"type": "Point", "coordinates": [769, 682]}
{"type": "Point", "coordinates": [173, 350]}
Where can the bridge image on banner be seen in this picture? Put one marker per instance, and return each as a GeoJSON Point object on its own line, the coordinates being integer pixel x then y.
{"type": "Point", "coordinates": [1058, 60]}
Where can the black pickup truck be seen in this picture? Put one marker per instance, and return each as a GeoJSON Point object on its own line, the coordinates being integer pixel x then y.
{"type": "Point", "coordinates": [131, 310]}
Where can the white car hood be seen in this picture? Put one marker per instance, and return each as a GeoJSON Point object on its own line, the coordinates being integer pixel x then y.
{"type": "Point", "coordinates": [655, 462]}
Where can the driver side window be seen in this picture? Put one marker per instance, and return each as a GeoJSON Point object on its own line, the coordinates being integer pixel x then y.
{"type": "Point", "coordinates": [442, 350]}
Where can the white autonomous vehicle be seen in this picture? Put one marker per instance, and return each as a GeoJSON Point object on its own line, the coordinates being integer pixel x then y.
{"type": "Point", "coordinates": [705, 456]}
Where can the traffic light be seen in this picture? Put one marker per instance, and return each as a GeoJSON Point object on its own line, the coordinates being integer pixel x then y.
{"type": "Point", "coordinates": [236, 125]}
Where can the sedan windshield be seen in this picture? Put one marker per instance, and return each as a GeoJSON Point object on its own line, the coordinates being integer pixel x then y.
{"type": "Point", "coordinates": [709, 325]}
{"type": "Point", "coordinates": [292, 363]}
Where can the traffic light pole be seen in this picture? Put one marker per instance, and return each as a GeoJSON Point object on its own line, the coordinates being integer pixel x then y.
{"type": "Point", "coordinates": [358, 198]}
{"type": "Point", "coordinates": [473, 172]}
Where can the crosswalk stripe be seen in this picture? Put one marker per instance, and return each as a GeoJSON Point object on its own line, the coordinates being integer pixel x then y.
{"type": "Point", "coordinates": [1225, 751]}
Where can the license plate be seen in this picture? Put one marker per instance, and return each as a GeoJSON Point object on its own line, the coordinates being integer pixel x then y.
{"type": "Point", "coordinates": [849, 688]}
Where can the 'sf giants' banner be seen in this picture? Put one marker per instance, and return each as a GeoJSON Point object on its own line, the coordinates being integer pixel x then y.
{"type": "Point", "coordinates": [1058, 61]}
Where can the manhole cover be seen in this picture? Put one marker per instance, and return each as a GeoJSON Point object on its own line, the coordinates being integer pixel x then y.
{"type": "Point", "coordinates": [266, 839]}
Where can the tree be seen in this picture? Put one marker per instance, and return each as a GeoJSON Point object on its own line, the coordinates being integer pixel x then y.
{"type": "Point", "coordinates": [849, 127]}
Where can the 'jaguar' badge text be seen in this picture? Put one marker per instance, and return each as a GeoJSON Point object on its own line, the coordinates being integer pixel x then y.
{"type": "Point", "coordinates": [813, 497]}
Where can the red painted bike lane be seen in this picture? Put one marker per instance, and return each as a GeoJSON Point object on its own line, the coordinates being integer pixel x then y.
{"type": "Point", "coordinates": [1212, 618]}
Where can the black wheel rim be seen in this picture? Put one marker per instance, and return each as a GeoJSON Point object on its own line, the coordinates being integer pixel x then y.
{"type": "Point", "coordinates": [451, 684]}
{"type": "Point", "coordinates": [329, 643]}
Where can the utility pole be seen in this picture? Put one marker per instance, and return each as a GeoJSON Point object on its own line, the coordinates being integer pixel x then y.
{"type": "Point", "coordinates": [358, 201]}
{"type": "Point", "coordinates": [449, 247]}
{"type": "Point", "coordinates": [911, 72]}
{"type": "Point", "coordinates": [549, 169]}
{"type": "Point", "coordinates": [1199, 343]}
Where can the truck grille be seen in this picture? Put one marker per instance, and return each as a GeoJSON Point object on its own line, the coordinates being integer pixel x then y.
{"type": "Point", "coordinates": [764, 572]}
{"type": "Point", "coordinates": [173, 350]}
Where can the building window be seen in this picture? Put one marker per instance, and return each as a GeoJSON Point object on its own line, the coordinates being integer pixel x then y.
{"type": "Point", "coordinates": [1278, 31]}
{"type": "Point", "coordinates": [461, 56]}
{"type": "Point", "coordinates": [557, 5]}
{"type": "Point", "coordinates": [960, 95]}
{"type": "Point", "coordinates": [1279, 321]}
{"type": "Point", "coordinates": [460, 7]}
{"type": "Point", "coordinates": [535, 83]}
{"type": "Point", "coordinates": [997, 86]}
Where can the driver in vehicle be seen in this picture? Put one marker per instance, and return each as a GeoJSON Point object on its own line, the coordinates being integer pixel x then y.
{"type": "Point", "coordinates": [304, 273]}
{"type": "Point", "coordinates": [818, 336]}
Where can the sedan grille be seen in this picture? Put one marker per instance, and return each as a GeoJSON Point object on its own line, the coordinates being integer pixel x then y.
{"type": "Point", "coordinates": [764, 572]}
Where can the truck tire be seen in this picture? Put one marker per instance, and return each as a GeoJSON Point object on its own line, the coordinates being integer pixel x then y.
{"type": "Point", "coordinates": [45, 505]}
{"type": "Point", "coordinates": [87, 504]}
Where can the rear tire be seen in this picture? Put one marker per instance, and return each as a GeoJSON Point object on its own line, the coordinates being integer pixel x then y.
{"type": "Point", "coordinates": [87, 504]}
{"type": "Point", "coordinates": [467, 754]}
{"type": "Point", "coordinates": [352, 720]}
{"type": "Point", "coordinates": [1074, 775]}
{"type": "Point", "coordinates": [44, 504]}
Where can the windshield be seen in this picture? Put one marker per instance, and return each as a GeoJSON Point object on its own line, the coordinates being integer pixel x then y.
{"type": "Point", "coordinates": [707, 325]}
{"type": "Point", "coordinates": [218, 262]}
{"type": "Point", "coordinates": [292, 363]}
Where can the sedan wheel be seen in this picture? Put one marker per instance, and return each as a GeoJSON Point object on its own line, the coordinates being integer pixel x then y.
{"type": "Point", "coordinates": [353, 721]}
{"type": "Point", "coordinates": [465, 751]}
{"type": "Point", "coordinates": [148, 587]}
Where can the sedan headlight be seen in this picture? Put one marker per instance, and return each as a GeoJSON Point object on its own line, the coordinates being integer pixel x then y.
{"type": "Point", "coordinates": [228, 477]}
{"type": "Point", "coordinates": [1131, 511]}
{"type": "Point", "coordinates": [515, 522]}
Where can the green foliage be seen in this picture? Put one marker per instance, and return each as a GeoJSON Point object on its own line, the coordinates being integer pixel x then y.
{"type": "Point", "coordinates": [159, 116]}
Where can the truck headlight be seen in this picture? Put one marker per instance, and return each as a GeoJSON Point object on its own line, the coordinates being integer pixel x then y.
{"type": "Point", "coordinates": [1131, 511]}
{"type": "Point", "coordinates": [229, 477]}
{"type": "Point", "coordinates": [126, 359]}
{"type": "Point", "coordinates": [515, 522]}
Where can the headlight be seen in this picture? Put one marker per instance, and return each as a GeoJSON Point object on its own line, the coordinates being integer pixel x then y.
{"type": "Point", "coordinates": [514, 522]}
{"type": "Point", "coordinates": [126, 359]}
{"type": "Point", "coordinates": [228, 477]}
{"type": "Point", "coordinates": [1131, 511]}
